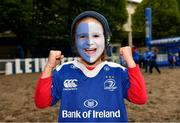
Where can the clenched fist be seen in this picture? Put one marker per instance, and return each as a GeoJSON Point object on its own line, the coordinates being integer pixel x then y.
{"type": "Point", "coordinates": [126, 52]}
{"type": "Point", "coordinates": [54, 58]}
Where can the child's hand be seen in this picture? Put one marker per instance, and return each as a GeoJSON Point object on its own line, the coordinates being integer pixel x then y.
{"type": "Point", "coordinates": [126, 52]}
{"type": "Point", "coordinates": [54, 58]}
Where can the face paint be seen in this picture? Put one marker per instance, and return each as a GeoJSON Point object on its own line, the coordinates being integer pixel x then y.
{"type": "Point", "coordinates": [90, 41]}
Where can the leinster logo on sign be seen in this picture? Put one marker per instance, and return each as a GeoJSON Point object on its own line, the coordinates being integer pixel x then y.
{"type": "Point", "coordinates": [110, 84]}
{"type": "Point", "coordinates": [90, 103]}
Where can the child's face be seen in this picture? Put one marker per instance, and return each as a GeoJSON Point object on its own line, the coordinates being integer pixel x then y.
{"type": "Point", "coordinates": [90, 40]}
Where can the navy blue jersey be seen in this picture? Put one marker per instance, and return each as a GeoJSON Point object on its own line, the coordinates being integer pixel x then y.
{"type": "Point", "coordinates": [90, 95]}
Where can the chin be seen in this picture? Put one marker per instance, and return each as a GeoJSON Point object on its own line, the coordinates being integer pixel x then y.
{"type": "Point", "coordinates": [92, 63]}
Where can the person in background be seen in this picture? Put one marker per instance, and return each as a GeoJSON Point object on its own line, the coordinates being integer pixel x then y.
{"type": "Point", "coordinates": [141, 59]}
{"type": "Point", "coordinates": [173, 60]}
{"type": "Point", "coordinates": [20, 51]}
{"type": "Point", "coordinates": [170, 60]}
{"type": "Point", "coordinates": [153, 63]}
{"type": "Point", "coordinates": [136, 55]}
{"type": "Point", "coordinates": [146, 56]}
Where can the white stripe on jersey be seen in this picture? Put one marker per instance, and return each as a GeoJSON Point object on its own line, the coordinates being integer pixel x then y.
{"type": "Point", "coordinates": [112, 64]}
{"type": "Point", "coordinates": [89, 73]}
{"type": "Point", "coordinates": [60, 66]}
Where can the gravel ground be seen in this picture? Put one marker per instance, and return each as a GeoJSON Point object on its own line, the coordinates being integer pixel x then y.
{"type": "Point", "coordinates": [17, 99]}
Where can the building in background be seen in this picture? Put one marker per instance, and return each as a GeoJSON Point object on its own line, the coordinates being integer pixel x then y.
{"type": "Point", "coordinates": [131, 6]}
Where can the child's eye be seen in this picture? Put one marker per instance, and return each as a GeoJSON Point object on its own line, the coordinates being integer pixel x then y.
{"type": "Point", "coordinates": [96, 36]}
{"type": "Point", "coordinates": [82, 36]}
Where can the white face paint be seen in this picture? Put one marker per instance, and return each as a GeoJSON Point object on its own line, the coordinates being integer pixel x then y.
{"type": "Point", "coordinates": [90, 41]}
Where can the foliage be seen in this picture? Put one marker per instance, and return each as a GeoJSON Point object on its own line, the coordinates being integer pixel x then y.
{"type": "Point", "coordinates": [178, 2]}
{"type": "Point", "coordinates": [36, 21]}
{"type": "Point", "coordinates": [165, 19]}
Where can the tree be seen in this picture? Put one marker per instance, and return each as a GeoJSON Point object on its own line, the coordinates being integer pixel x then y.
{"type": "Point", "coordinates": [46, 23]}
{"type": "Point", "coordinates": [114, 10]}
{"type": "Point", "coordinates": [178, 2]}
{"type": "Point", "coordinates": [165, 19]}
{"type": "Point", "coordinates": [16, 16]}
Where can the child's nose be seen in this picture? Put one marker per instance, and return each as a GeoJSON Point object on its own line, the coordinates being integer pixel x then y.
{"type": "Point", "coordinates": [90, 41]}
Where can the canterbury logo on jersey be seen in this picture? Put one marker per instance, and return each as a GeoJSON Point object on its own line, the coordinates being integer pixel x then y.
{"type": "Point", "coordinates": [70, 84]}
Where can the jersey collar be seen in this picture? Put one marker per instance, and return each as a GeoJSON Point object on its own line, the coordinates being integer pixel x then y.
{"type": "Point", "coordinates": [89, 73]}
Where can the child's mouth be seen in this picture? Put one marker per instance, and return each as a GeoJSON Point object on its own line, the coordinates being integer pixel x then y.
{"type": "Point", "coordinates": [90, 51]}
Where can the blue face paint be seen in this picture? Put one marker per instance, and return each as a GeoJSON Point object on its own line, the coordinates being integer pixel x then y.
{"type": "Point", "coordinates": [90, 41]}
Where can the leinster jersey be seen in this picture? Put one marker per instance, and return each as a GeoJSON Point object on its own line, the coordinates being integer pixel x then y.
{"type": "Point", "coordinates": [90, 95]}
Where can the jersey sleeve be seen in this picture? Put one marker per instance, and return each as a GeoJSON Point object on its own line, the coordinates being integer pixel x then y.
{"type": "Point", "coordinates": [43, 96]}
{"type": "Point", "coordinates": [137, 90]}
{"type": "Point", "coordinates": [56, 87]}
{"type": "Point", "coordinates": [125, 83]}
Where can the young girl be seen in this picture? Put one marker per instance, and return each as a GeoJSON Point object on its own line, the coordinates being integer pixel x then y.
{"type": "Point", "coordinates": [90, 89]}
